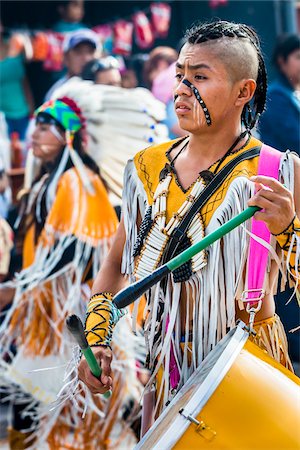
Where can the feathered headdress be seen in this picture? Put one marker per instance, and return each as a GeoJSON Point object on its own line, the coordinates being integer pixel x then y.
{"type": "Point", "coordinates": [67, 115]}
{"type": "Point", "coordinates": [119, 122]}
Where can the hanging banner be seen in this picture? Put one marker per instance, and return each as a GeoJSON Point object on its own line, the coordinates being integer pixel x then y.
{"type": "Point", "coordinates": [105, 32]}
{"type": "Point", "coordinates": [160, 19]}
{"type": "Point", "coordinates": [54, 59]}
{"type": "Point", "coordinates": [122, 37]}
{"type": "Point", "coordinates": [143, 32]}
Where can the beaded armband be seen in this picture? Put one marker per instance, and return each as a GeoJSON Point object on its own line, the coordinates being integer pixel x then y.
{"type": "Point", "coordinates": [285, 237]}
{"type": "Point", "coordinates": [101, 318]}
{"type": "Point", "coordinates": [289, 240]}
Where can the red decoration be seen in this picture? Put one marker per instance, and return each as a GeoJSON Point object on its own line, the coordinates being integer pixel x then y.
{"type": "Point", "coordinates": [122, 37]}
{"type": "Point", "coordinates": [40, 46]}
{"type": "Point", "coordinates": [160, 18]}
{"type": "Point", "coordinates": [105, 32]}
{"type": "Point", "coordinates": [216, 3]}
{"type": "Point", "coordinates": [54, 59]}
{"type": "Point", "coordinates": [143, 32]}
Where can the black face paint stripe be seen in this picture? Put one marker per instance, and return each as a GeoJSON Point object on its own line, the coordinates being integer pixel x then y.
{"type": "Point", "coordinates": [200, 100]}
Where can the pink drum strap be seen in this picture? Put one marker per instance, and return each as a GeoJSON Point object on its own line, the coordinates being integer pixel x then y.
{"type": "Point", "coordinates": [173, 368]}
{"type": "Point", "coordinates": [268, 165]}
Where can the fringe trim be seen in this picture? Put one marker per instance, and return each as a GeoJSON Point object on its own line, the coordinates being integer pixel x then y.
{"type": "Point", "coordinates": [271, 337]}
{"type": "Point", "coordinates": [134, 202]}
{"type": "Point", "coordinates": [97, 422]}
{"type": "Point", "coordinates": [78, 420]}
{"type": "Point", "coordinates": [211, 294]}
{"type": "Point", "coordinates": [211, 301]}
{"type": "Point", "coordinates": [43, 300]}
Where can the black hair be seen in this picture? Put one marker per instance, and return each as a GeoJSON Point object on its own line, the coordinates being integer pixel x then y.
{"type": "Point", "coordinates": [209, 31]}
{"type": "Point", "coordinates": [286, 44]}
{"type": "Point", "coordinates": [95, 66]}
{"type": "Point", "coordinates": [63, 3]}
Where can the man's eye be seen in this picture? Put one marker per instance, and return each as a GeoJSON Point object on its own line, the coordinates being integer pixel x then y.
{"type": "Point", "coordinates": [178, 76]}
{"type": "Point", "coordinates": [200, 77]}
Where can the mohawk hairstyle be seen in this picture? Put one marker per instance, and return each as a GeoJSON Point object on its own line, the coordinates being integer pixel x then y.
{"type": "Point", "coordinates": [209, 31]}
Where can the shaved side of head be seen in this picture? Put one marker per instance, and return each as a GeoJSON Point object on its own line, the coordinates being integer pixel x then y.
{"type": "Point", "coordinates": [238, 56]}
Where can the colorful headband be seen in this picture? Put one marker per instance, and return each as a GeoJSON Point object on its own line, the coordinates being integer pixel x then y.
{"type": "Point", "coordinates": [62, 113]}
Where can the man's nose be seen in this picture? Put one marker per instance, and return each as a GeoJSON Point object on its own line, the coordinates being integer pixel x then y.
{"type": "Point", "coordinates": [183, 89]}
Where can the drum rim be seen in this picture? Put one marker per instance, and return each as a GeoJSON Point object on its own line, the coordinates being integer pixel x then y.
{"type": "Point", "coordinates": [237, 338]}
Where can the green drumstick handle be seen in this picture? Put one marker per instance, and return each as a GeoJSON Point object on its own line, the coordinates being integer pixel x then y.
{"type": "Point", "coordinates": [75, 326]}
{"type": "Point", "coordinates": [135, 290]}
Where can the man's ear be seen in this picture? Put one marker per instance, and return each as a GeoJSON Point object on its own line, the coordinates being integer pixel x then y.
{"type": "Point", "coordinates": [246, 91]}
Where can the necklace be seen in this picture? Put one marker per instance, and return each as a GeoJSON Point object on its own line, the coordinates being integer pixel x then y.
{"type": "Point", "coordinates": [160, 231]}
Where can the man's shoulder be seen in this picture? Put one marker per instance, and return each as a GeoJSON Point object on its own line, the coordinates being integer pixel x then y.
{"type": "Point", "coordinates": [154, 152]}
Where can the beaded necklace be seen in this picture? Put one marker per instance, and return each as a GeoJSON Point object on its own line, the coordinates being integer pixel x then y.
{"type": "Point", "coordinates": [155, 232]}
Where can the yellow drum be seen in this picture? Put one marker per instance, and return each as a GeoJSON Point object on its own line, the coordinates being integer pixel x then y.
{"type": "Point", "coordinates": [239, 398]}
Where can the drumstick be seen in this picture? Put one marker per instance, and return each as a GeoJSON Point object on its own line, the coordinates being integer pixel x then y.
{"type": "Point", "coordinates": [75, 326]}
{"type": "Point", "coordinates": [135, 290]}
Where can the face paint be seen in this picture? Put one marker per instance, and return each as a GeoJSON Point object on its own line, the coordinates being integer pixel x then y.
{"type": "Point", "coordinates": [56, 133]}
{"type": "Point", "coordinates": [199, 98]}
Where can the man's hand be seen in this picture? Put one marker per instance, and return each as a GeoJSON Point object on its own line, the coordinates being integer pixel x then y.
{"type": "Point", "coordinates": [276, 201]}
{"type": "Point", "coordinates": [95, 385]}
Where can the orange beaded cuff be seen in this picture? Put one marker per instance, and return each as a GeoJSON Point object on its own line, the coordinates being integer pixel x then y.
{"type": "Point", "coordinates": [101, 317]}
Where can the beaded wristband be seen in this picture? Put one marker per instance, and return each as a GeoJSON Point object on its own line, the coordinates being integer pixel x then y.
{"type": "Point", "coordinates": [284, 238]}
{"type": "Point", "coordinates": [101, 318]}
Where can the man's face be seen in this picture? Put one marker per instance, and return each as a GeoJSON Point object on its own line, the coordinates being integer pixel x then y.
{"type": "Point", "coordinates": [73, 12]}
{"type": "Point", "coordinates": [110, 77]}
{"type": "Point", "coordinates": [209, 75]}
{"type": "Point", "coordinates": [77, 57]}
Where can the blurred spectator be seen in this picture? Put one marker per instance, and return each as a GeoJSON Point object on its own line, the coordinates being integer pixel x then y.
{"type": "Point", "coordinates": [16, 101]}
{"type": "Point", "coordinates": [103, 71]}
{"type": "Point", "coordinates": [79, 48]}
{"type": "Point", "coordinates": [159, 76]}
{"type": "Point", "coordinates": [163, 90]}
{"type": "Point", "coordinates": [129, 79]}
{"type": "Point", "coordinates": [280, 123]}
{"type": "Point", "coordinates": [132, 76]}
{"type": "Point", "coordinates": [71, 13]}
{"type": "Point", "coordinates": [160, 58]}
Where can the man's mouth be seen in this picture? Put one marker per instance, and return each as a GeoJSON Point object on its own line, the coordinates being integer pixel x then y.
{"type": "Point", "coordinates": [182, 108]}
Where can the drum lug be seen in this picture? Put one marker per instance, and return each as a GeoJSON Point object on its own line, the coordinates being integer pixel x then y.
{"type": "Point", "coordinates": [205, 431]}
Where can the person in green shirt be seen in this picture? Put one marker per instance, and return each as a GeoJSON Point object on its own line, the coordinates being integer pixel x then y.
{"type": "Point", "coordinates": [16, 101]}
{"type": "Point", "coordinates": [71, 13]}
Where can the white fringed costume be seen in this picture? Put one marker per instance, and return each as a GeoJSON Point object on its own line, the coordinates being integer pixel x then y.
{"type": "Point", "coordinates": [118, 123]}
{"type": "Point", "coordinates": [191, 328]}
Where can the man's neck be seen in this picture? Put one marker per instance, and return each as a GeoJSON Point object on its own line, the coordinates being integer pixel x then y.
{"type": "Point", "coordinates": [211, 147]}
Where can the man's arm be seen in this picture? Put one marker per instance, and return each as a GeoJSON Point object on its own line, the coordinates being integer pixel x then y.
{"type": "Point", "coordinates": [109, 279]}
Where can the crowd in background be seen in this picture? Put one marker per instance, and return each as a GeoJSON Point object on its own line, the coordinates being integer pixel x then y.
{"type": "Point", "coordinates": [84, 57]}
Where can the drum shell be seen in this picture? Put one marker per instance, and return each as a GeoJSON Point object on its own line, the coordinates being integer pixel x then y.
{"type": "Point", "coordinates": [245, 399]}
{"type": "Point", "coordinates": [256, 406]}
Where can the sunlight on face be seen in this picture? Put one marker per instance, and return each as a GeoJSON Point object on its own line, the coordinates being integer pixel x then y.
{"type": "Point", "coordinates": [45, 145]}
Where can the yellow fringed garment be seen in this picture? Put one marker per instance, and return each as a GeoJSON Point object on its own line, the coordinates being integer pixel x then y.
{"type": "Point", "coordinates": [90, 221]}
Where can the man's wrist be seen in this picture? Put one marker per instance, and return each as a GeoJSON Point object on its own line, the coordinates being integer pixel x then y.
{"type": "Point", "coordinates": [284, 238]}
{"type": "Point", "coordinates": [102, 316]}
